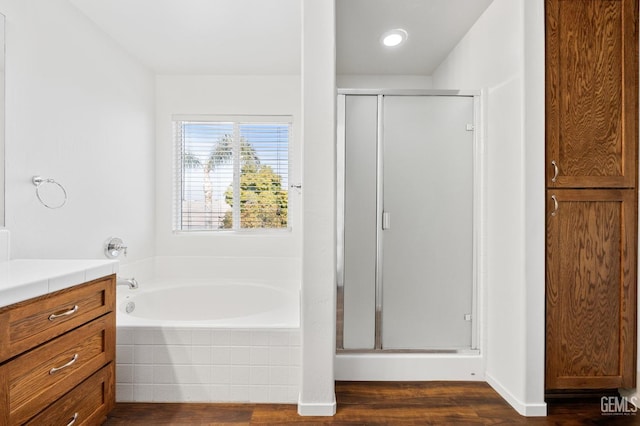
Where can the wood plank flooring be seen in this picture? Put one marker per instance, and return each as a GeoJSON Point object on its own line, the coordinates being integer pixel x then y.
{"type": "Point", "coordinates": [376, 403]}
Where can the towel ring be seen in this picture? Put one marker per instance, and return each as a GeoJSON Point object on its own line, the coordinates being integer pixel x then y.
{"type": "Point", "coordinates": [38, 181]}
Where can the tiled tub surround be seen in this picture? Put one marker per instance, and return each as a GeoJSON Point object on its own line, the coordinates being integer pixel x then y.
{"type": "Point", "coordinates": [190, 340]}
{"type": "Point", "coordinates": [200, 364]}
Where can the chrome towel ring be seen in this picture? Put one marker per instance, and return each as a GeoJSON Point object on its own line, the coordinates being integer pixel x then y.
{"type": "Point", "coordinates": [39, 181]}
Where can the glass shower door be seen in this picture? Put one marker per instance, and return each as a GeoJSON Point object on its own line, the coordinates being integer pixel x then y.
{"type": "Point", "coordinates": [427, 237]}
{"type": "Point", "coordinates": [360, 218]}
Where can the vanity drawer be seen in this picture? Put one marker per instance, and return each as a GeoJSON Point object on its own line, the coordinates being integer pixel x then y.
{"type": "Point", "coordinates": [35, 379]}
{"type": "Point", "coordinates": [27, 324]}
{"type": "Point", "coordinates": [87, 404]}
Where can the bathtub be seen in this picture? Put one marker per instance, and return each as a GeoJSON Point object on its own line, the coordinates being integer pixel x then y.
{"type": "Point", "coordinates": [197, 303]}
{"type": "Point", "coordinates": [193, 341]}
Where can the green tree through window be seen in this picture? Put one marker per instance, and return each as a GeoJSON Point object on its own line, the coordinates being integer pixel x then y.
{"type": "Point", "coordinates": [263, 203]}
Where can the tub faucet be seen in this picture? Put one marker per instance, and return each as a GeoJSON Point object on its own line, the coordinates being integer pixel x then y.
{"type": "Point", "coordinates": [132, 283]}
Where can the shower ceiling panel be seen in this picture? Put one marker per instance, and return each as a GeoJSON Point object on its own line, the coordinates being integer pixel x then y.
{"type": "Point", "coordinates": [434, 28]}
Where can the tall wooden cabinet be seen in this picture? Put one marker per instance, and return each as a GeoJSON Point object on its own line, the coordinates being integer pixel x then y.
{"type": "Point", "coordinates": [592, 194]}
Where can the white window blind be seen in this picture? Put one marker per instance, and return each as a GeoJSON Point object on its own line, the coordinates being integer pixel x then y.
{"type": "Point", "coordinates": [231, 173]}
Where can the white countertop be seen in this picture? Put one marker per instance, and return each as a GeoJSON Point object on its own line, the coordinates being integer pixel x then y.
{"type": "Point", "coordinates": [22, 279]}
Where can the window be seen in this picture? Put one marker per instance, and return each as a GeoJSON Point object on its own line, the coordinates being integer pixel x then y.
{"type": "Point", "coordinates": [231, 173]}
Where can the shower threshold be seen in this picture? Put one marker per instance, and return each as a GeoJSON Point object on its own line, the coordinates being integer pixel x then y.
{"type": "Point", "coordinates": [409, 351]}
{"type": "Point", "coordinates": [412, 365]}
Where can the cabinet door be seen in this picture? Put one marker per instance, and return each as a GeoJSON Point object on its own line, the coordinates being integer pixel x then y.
{"type": "Point", "coordinates": [591, 294]}
{"type": "Point", "coordinates": [591, 93]}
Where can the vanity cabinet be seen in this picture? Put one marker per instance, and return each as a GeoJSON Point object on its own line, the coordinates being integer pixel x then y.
{"type": "Point", "coordinates": [57, 357]}
{"type": "Point", "coordinates": [592, 194]}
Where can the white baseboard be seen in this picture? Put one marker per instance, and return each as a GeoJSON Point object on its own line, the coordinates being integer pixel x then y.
{"type": "Point", "coordinates": [317, 409]}
{"type": "Point", "coordinates": [524, 409]}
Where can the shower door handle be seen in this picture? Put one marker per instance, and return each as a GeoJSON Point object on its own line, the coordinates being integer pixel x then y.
{"type": "Point", "coordinates": [386, 220]}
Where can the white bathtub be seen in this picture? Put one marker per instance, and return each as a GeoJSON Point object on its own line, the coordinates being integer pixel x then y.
{"type": "Point", "coordinates": [195, 341]}
{"type": "Point", "coordinates": [197, 303]}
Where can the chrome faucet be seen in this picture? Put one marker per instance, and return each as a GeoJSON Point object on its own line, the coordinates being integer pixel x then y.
{"type": "Point", "coordinates": [132, 283]}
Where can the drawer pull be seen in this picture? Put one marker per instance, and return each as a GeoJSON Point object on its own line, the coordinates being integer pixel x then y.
{"type": "Point", "coordinates": [73, 419]}
{"type": "Point", "coordinates": [54, 369]}
{"type": "Point", "coordinates": [64, 314]}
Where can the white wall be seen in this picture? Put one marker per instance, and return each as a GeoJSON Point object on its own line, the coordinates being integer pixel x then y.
{"type": "Point", "coordinates": [78, 110]}
{"type": "Point", "coordinates": [491, 56]}
{"type": "Point", "coordinates": [534, 188]}
{"type": "Point", "coordinates": [273, 253]}
{"type": "Point", "coordinates": [350, 81]}
{"type": "Point", "coordinates": [318, 320]}
{"type": "Point", "coordinates": [2, 122]}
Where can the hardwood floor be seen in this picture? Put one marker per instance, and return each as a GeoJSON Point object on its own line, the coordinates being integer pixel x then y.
{"type": "Point", "coordinates": [377, 403]}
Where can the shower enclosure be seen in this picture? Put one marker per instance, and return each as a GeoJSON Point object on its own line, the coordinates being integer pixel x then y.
{"type": "Point", "coordinates": [409, 176]}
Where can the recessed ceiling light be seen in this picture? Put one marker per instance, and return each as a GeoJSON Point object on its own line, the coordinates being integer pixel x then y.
{"type": "Point", "coordinates": [394, 38]}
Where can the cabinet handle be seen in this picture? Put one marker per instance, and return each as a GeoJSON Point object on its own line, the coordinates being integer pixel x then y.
{"type": "Point", "coordinates": [54, 369]}
{"type": "Point", "coordinates": [64, 314]}
{"type": "Point", "coordinates": [73, 419]}
{"type": "Point", "coordinates": [555, 205]}
{"type": "Point", "coordinates": [556, 171]}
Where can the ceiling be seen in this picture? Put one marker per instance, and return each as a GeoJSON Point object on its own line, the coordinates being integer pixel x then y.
{"type": "Point", "coordinates": [263, 37]}
{"type": "Point", "coordinates": [434, 28]}
{"type": "Point", "coordinates": [259, 37]}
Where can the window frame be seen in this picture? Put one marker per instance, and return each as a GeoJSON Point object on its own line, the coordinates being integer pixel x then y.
{"type": "Point", "coordinates": [178, 170]}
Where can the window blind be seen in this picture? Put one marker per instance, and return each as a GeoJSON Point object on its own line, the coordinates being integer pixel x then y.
{"type": "Point", "coordinates": [231, 174]}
